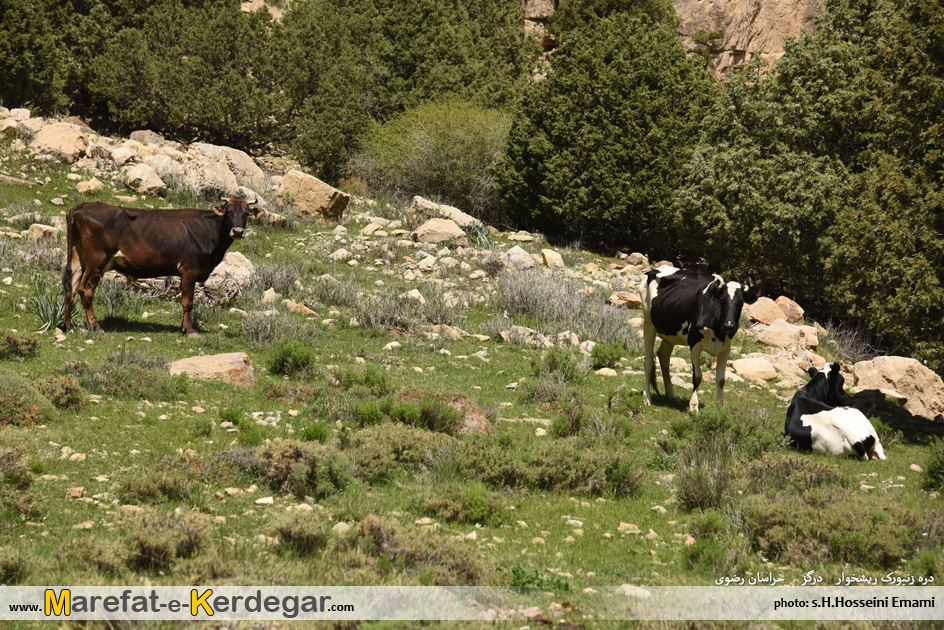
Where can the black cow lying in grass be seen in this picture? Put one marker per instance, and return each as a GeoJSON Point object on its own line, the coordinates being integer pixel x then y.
{"type": "Point", "coordinates": [816, 421]}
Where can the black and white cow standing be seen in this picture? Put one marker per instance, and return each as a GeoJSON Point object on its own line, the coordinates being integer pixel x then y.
{"type": "Point", "coordinates": [817, 421]}
{"type": "Point", "coordinates": [693, 308]}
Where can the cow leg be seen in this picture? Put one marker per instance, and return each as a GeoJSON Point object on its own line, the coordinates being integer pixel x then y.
{"type": "Point", "coordinates": [187, 285]}
{"type": "Point", "coordinates": [87, 286]}
{"type": "Point", "coordinates": [719, 375]}
{"type": "Point", "coordinates": [649, 338]}
{"type": "Point", "coordinates": [665, 353]}
{"type": "Point", "coordinates": [696, 377]}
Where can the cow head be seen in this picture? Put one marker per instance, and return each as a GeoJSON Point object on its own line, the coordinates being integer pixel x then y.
{"type": "Point", "coordinates": [236, 212]}
{"type": "Point", "coordinates": [826, 385]}
{"type": "Point", "coordinates": [730, 298]}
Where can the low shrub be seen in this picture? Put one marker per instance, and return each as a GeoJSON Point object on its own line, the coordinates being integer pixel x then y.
{"type": "Point", "coordinates": [934, 467]}
{"type": "Point", "coordinates": [464, 503]}
{"type": "Point", "coordinates": [16, 501]}
{"type": "Point", "coordinates": [370, 380]}
{"type": "Point", "coordinates": [772, 475]}
{"type": "Point", "coordinates": [561, 363]}
{"type": "Point", "coordinates": [377, 451]}
{"type": "Point", "coordinates": [332, 292]}
{"type": "Point", "coordinates": [704, 476]}
{"type": "Point", "coordinates": [821, 527]}
{"type": "Point", "coordinates": [605, 355]}
{"type": "Point", "coordinates": [155, 539]}
{"type": "Point", "coordinates": [158, 486]}
{"type": "Point", "coordinates": [301, 533]}
{"type": "Point", "coordinates": [304, 468]}
{"type": "Point", "coordinates": [63, 391]}
{"type": "Point", "coordinates": [21, 404]}
{"type": "Point", "coordinates": [17, 344]}
{"type": "Point", "coordinates": [315, 432]}
{"type": "Point", "coordinates": [13, 565]}
{"type": "Point", "coordinates": [528, 577]}
{"type": "Point", "coordinates": [439, 561]}
{"type": "Point", "coordinates": [291, 358]}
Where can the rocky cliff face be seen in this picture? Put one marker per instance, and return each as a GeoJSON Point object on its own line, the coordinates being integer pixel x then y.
{"type": "Point", "coordinates": [749, 27]}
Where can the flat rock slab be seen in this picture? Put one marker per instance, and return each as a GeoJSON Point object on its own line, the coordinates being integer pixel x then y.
{"type": "Point", "coordinates": [232, 367]}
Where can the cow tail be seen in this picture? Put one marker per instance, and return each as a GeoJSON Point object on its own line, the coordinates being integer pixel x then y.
{"type": "Point", "coordinates": [72, 255]}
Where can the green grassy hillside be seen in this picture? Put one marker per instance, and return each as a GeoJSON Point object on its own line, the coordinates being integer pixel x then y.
{"type": "Point", "coordinates": [349, 462]}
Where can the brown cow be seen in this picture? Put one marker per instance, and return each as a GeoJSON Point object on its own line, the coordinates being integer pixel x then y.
{"type": "Point", "coordinates": [147, 244]}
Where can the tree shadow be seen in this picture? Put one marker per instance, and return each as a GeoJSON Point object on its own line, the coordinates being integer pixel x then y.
{"type": "Point", "coordinates": [914, 429]}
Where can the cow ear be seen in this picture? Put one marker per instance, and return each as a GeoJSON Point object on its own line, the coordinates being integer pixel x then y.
{"type": "Point", "coordinates": [749, 295]}
{"type": "Point", "coordinates": [835, 368]}
{"type": "Point", "coordinates": [812, 371]}
{"type": "Point", "coordinates": [256, 212]}
{"type": "Point", "coordinates": [219, 209]}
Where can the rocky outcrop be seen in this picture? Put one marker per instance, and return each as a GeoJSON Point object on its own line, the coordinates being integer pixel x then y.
{"type": "Point", "coordinates": [312, 197]}
{"type": "Point", "coordinates": [62, 140]}
{"type": "Point", "coordinates": [440, 231]}
{"type": "Point", "coordinates": [749, 28]}
{"type": "Point", "coordinates": [431, 208]}
{"type": "Point", "coordinates": [232, 367]}
{"type": "Point", "coordinates": [904, 379]}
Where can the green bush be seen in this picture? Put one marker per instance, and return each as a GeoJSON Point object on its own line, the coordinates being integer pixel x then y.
{"type": "Point", "coordinates": [377, 451]}
{"type": "Point", "coordinates": [63, 391]}
{"type": "Point", "coordinates": [21, 404]}
{"type": "Point", "coordinates": [439, 561]}
{"type": "Point", "coordinates": [304, 468]}
{"type": "Point", "coordinates": [831, 526]}
{"type": "Point", "coordinates": [595, 149]}
{"type": "Point", "coordinates": [442, 150]}
{"type": "Point", "coordinates": [17, 344]}
{"type": "Point", "coordinates": [464, 503]}
{"type": "Point", "coordinates": [155, 540]}
{"type": "Point", "coordinates": [315, 432]}
{"type": "Point", "coordinates": [934, 467]}
{"type": "Point", "coordinates": [605, 355]}
{"type": "Point", "coordinates": [291, 358]}
{"type": "Point", "coordinates": [302, 533]}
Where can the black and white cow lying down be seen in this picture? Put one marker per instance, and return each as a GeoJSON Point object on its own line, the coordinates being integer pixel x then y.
{"type": "Point", "coordinates": [817, 421]}
{"type": "Point", "coordinates": [699, 310]}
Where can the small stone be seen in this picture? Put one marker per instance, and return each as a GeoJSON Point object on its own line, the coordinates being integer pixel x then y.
{"type": "Point", "coordinates": [75, 493]}
{"type": "Point", "coordinates": [265, 501]}
{"type": "Point", "coordinates": [341, 528]}
{"type": "Point", "coordinates": [537, 540]}
{"type": "Point", "coordinates": [915, 468]}
{"type": "Point", "coordinates": [84, 525]}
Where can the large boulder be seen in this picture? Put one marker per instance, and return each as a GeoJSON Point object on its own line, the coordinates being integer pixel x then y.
{"type": "Point", "coordinates": [793, 311]}
{"type": "Point", "coordinates": [440, 231]}
{"type": "Point", "coordinates": [142, 178]}
{"type": "Point", "coordinates": [61, 139]}
{"type": "Point", "coordinates": [312, 197]}
{"type": "Point", "coordinates": [146, 136]}
{"type": "Point", "coordinates": [167, 168]}
{"type": "Point", "coordinates": [243, 167]}
{"type": "Point", "coordinates": [232, 367]}
{"type": "Point", "coordinates": [625, 299]}
{"type": "Point", "coordinates": [520, 258]}
{"type": "Point", "coordinates": [764, 310]}
{"type": "Point", "coordinates": [208, 172]}
{"type": "Point", "coordinates": [785, 335]}
{"type": "Point", "coordinates": [754, 369]}
{"type": "Point", "coordinates": [229, 278]}
{"type": "Point", "coordinates": [903, 378]}
{"type": "Point", "coordinates": [427, 207]}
